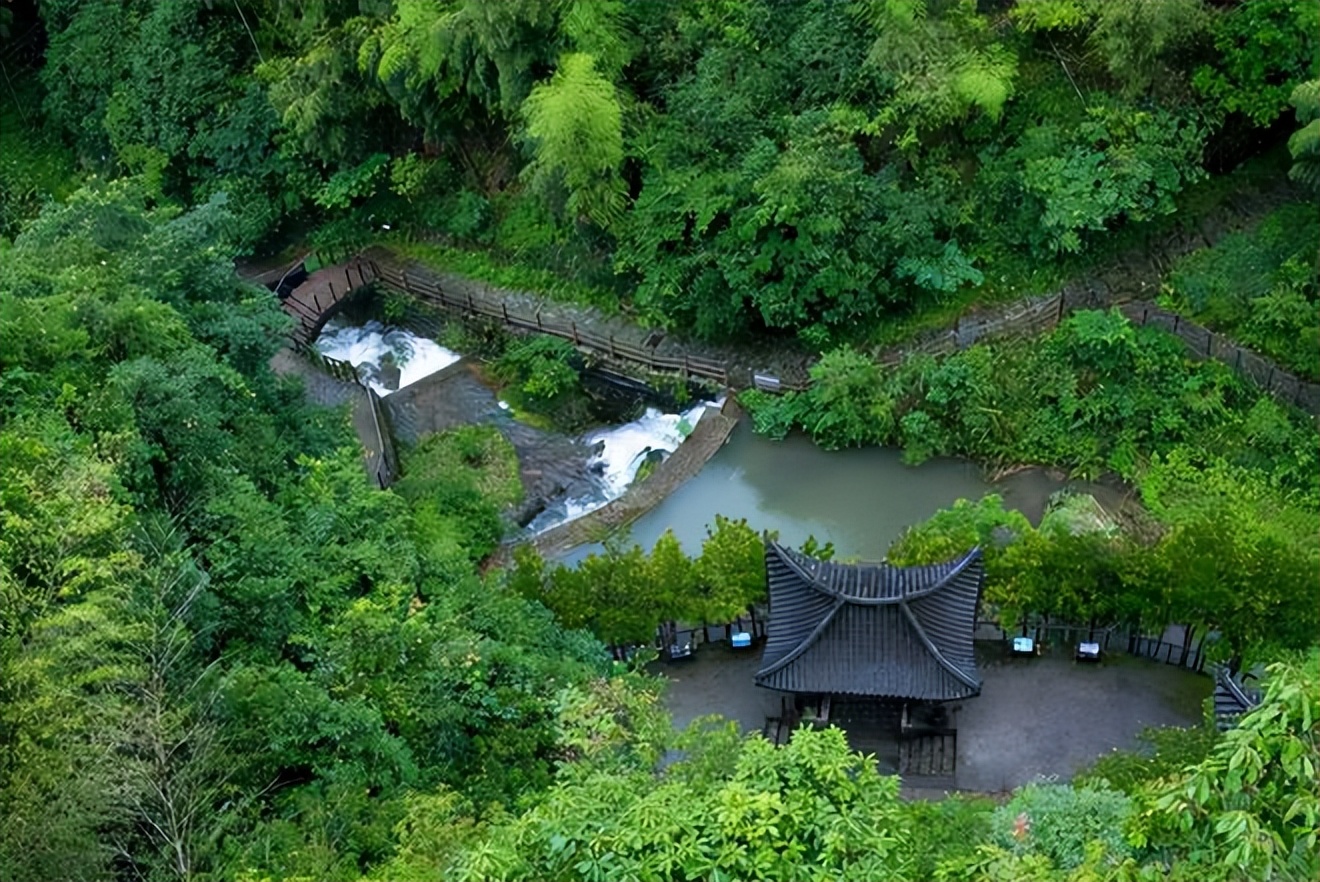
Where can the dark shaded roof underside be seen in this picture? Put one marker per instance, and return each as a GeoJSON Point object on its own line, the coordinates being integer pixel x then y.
{"type": "Point", "coordinates": [871, 629]}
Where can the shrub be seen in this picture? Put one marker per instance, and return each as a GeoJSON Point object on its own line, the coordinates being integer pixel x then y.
{"type": "Point", "coordinates": [1058, 822]}
{"type": "Point", "coordinates": [541, 369]}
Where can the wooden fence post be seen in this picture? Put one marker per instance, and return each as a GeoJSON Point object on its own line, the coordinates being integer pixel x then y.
{"type": "Point", "coordinates": [576, 341]}
{"type": "Point", "coordinates": [504, 308]}
{"type": "Point", "coordinates": [1176, 319]}
{"type": "Point", "coordinates": [1058, 319]}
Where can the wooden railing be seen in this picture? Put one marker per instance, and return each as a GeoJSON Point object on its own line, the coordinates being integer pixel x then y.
{"type": "Point", "coordinates": [606, 345]}
{"type": "Point", "coordinates": [383, 462]}
{"type": "Point", "coordinates": [1031, 316]}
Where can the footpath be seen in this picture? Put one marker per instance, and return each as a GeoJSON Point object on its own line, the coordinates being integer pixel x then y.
{"type": "Point", "coordinates": [1130, 283]}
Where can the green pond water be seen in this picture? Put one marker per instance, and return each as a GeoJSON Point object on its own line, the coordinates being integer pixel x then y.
{"type": "Point", "coordinates": [861, 500]}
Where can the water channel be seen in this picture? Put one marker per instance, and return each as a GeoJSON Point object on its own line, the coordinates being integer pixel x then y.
{"type": "Point", "coordinates": [861, 500]}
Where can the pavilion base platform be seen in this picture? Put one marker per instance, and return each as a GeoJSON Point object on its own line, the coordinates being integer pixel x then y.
{"type": "Point", "coordinates": [913, 739]}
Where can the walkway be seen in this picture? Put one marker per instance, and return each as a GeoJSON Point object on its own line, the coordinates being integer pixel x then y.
{"type": "Point", "coordinates": [615, 340]}
{"type": "Point", "coordinates": [314, 301]}
{"type": "Point", "coordinates": [619, 341]}
{"type": "Point", "coordinates": [325, 389]}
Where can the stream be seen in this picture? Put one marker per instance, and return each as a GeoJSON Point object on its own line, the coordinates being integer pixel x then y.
{"type": "Point", "coordinates": [861, 500]}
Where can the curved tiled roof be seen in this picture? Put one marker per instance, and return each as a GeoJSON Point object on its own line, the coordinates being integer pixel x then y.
{"type": "Point", "coordinates": [1232, 699]}
{"type": "Point", "coordinates": [871, 629]}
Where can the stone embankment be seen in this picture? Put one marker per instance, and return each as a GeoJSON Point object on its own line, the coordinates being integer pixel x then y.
{"type": "Point", "coordinates": [709, 435]}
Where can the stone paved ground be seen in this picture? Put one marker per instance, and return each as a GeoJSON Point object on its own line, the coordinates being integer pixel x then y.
{"type": "Point", "coordinates": [1043, 716]}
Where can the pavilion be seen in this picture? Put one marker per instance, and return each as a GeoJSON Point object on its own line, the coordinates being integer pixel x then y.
{"type": "Point", "coordinates": [871, 630]}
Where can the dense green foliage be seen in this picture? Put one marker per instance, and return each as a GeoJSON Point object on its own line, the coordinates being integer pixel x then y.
{"type": "Point", "coordinates": [1221, 566]}
{"type": "Point", "coordinates": [225, 655]}
{"type": "Point", "coordinates": [223, 651]}
{"type": "Point", "coordinates": [722, 167]}
{"type": "Point", "coordinates": [733, 808]}
{"type": "Point", "coordinates": [1228, 472]}
{"type": "Point", "coordinates": [1260, 288]}
{"type": "Point", "coordinates": [624, 594]}
{"type": "Point", "coordinates": [1097, 394]}
{"type": "Point", "coordinates": [459, 483]}
{"type": "Point", "coordinates": [540, 373]}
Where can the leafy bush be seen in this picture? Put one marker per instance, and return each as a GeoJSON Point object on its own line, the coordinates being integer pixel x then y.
{"type": "Point", "coordinates": [1165, 752]}
{"type": "Point", "coordinates": [458, 482]}
{"type": "Point", "coordinates": [1097, 394]}
{"type": "Point", "coordinates": [541, 370]}
{"type": "Point", "coordinates": [1058, 822]}
{"type": "Point", "coordinates": [624, 594]}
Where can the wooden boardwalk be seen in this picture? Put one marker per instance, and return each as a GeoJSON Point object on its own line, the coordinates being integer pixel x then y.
{"type": "Point", "coordinates": [709, 435]}
{"type": "Point", "coordinates": [612, 340]}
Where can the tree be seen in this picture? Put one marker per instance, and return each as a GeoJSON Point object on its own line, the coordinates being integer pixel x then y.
{"type": "Point", "coordinates": [1252, 808]}
{"type": "Point", "coordinates": [1304, 145]}
{"type": "Point", "coordinates": [730, 571]}
{"type": "Point", "coordinates": [576, 125]}
{"type": "Point", "coordinates": [776, 813]}
{"type": "Point", "coordinates": [1267, 47]}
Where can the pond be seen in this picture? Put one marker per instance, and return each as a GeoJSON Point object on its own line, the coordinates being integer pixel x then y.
{"type": "Point", "coordinates": [861, 499]}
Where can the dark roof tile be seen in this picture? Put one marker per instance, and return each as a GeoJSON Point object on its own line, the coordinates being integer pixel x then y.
{"type": "Point", "coordinates": [871, 629]}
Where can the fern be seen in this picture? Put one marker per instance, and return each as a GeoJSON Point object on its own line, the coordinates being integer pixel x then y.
{"type": "Point", "coordinates": [985, 80]}
{"type": "Point", "coordinates": [1304, 145]}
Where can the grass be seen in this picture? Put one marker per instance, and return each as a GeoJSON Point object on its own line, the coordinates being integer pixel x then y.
{"type": "Point", "coordinates": [474, 456]}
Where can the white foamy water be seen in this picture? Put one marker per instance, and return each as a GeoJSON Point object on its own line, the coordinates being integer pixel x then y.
{"type": "Point", "coordinates": [624, 450]}
{"type": "Point", "coordinates": [367, 346]}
